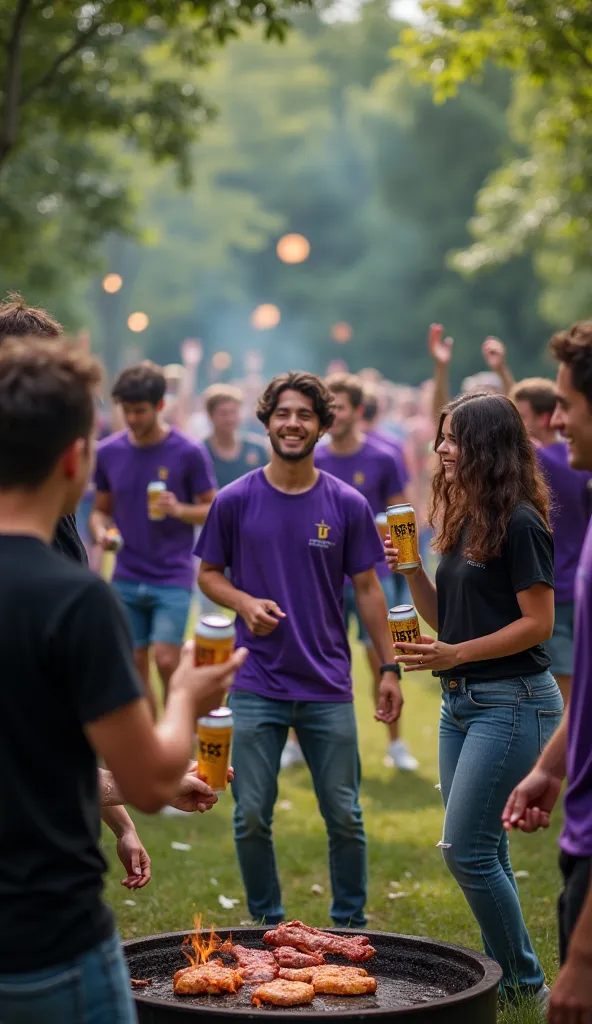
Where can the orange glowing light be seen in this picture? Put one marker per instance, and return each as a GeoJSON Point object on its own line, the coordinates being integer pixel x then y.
{"type": "Point", "coordinates": [264, 317]}
{"type": "Point", "coordinates": [112, 283]}
{"type": "Point", "coordinates": [293, 249]}
{"type": "Point", "coordinates": [138, 322]}
{"type": "Point", "coordinates": [342, 333]}
{"type": "Point", "coordinates": [202, 947]}
{"type": "Point", "coordinates": [221, 361]}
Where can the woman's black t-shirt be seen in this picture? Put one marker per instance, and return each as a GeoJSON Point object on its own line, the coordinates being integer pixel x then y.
{"type": "Point", "coordinates": [479, 598]}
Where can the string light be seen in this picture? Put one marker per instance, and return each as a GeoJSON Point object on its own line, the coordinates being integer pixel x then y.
{"type": "Point", "coordinates": [112, 283]}
{"type": "Point", "coordinates": [266, 316]}
{"type": "Point", "coordinates": [293, 248]}
{"type": "Point", "coordinates": [138, 322]}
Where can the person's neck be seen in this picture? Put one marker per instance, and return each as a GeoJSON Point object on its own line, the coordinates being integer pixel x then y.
{"type": "Point", "coordinates": [291, 477]}
{"type": "Point", "coordinates": [158, 434]}
{"type": "Point", "coordinates": [349, 443]}
{"type": "Point", "coordinates": [30, 514]}
{"type": "Point", "coordinates": [225, 444]}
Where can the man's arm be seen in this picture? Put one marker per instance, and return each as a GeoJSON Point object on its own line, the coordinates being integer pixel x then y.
{"type": "Point", "coordinates": [530, 805]}
{"type": "Point", "coordinates": [101, 519]}
{"type": "Point", "coordinates": [494, 354]}
{"type": "Point", "coordinates": [261, 615]}
{"type": "Point", "coordinates": [441, 353]}
{"type": "Point", "coordinates": [193, 795]}
{"type": "Point", "coordinates": [130, 850]}
{"type": "Point", "coordinates": [194, 514]}
{"type": "Point", "coordinates": [374, 614]}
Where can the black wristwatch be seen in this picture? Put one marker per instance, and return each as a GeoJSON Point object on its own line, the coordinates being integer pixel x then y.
{"type": "Point", "coordinates": [392, 667]}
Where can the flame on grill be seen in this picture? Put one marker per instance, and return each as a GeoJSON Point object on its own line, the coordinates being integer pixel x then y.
{"type": "Point", "coordinates": [202, 946]}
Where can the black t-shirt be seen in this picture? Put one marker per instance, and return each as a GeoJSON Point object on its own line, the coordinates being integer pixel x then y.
{"type": "Point", "coordinates": [66, 659]}
{"type": "Point", "coordinates": [476, 598]}
{"type": "Point", "coordinates": [68, 542]}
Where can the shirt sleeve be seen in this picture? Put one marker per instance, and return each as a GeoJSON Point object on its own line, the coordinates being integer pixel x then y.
{"type": "Point", "coordinates": [530, 554]}
{"type": "Point", "coordinates": [99, 652]}
{"type": "Point", "coordinates": [363, 546]}
{"type": "Point", "coordinates": [200, 470]}
{"type": "Point", "coordinates": [214, 544]}
{"type": "Point", "coordinates": [101, 478]}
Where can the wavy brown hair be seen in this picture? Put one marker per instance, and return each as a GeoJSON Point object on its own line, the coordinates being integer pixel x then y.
{"type": "Point", "coordinates": [496, 470]}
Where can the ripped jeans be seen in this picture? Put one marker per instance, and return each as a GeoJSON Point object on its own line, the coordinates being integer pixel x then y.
{"type": "Point", "coordinates": [491, 733]}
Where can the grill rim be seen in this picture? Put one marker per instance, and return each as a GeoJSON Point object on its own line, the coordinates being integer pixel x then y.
{"type": "Point", "coordinates": [492, 973]}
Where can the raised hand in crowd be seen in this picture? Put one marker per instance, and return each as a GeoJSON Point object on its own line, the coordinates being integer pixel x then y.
{"type": "Point", "coordinates": [440, 349]}
{"type": "Point", "coordinates": [494, 355]}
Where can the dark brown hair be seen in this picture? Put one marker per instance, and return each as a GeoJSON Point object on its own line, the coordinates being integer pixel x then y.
{"type": "Point", "coordinates": [17, 320]}
{"type": "Point", "coordinates": [496, 471]}
{"type": "Point", "coordinates": [370, 411]}
{"type": "Point", "coordinates": [144, 382]}
{"type": "Point", "coordinates": [216, 394]}
{"type": "Point", "coordinates": [540, 393]}
{"type": "Point", "coordinates": [347, 384]}
{"type": "Point", "coordinates": [574, 348]}
{"type": "Point", "coordinates": [47, 401]}
{"type": "Point", "coordinates": [307, 384]}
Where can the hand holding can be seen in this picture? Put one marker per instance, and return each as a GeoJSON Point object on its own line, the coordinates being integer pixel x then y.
{"type": "Point", "coordinates": [153, 492]}
{"type": "Point", "coordinates": [402, 526]}
{"type": "Point", "coordinates": [404, 626]}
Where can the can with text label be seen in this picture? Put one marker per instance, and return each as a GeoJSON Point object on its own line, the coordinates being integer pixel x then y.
{"type": "Point", "coordinates": [404, 626]}
{"type": "Point", "coordinates": [403, 530]}
{"type": "Point", "coordinates": [214, 639]}
{"type": "Point", "coordinates": [382, 524]}
{"type": "Point", "coordinates": [153, 492]}
{"type": "Point", "coordinates": [214, 740]}
{"type": "Point", "coordinates": [115, 539]}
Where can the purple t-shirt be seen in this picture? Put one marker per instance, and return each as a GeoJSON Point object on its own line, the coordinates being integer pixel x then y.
{"type": "Point", "coordinates": [295, 549]}
{"type": "Point", "coordinates": [570, 514]}
{"type": "Point", "coordinates": [158, 552]}
{"type": "Point", "coordinates": [577, 829]}
{"type": "Point", "coordinates": [373, 471]}
{"type": "Point", "coordinates": [394, 444]}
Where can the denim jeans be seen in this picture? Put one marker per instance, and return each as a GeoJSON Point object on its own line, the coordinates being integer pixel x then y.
{"type": "Point", "coordinates": [328, 738]}
{"type": "Point", "coordinates": [92, 989]}
{"type": "Point", "coordinates": [491, 733]}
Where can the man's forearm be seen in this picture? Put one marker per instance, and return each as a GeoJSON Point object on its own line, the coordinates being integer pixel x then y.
{"type": "Point", "coordinates": [109, 795]}
{"type": "Point", "coordinates": [117, 819]}
{"type": "Point", "coordinates": [221, 591]}
{"type": "Point", "coordinates": [441, 390]}
{"type": "Point", "coordinates": [195, 515]}
{"type": "Point", "coordinates": [374, 614]}
{"type": "Point", "coordinates": [98, 522]}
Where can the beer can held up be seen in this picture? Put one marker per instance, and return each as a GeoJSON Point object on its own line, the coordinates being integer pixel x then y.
{"type": "Point", "coordinates": [403, 530]}
{"type": "Point", "coordinates": [404, 626]}
{"type": "Point", "coordinates": [214, 740]}
{"type": "Point", "coordinates": [153, 492]}
{"type": "Point", "coordinates": [214, 639]}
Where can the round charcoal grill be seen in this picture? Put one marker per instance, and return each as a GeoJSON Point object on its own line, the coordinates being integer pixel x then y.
{"type": "Point", "coordinates": [419, 982]}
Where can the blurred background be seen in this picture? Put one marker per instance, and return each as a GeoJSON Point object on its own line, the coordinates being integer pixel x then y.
{"type": "Point", "coordinates": [298, 186]}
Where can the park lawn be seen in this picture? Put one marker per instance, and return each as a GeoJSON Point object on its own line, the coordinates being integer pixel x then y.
{"type": "Point", "coordinates": [403, 818]}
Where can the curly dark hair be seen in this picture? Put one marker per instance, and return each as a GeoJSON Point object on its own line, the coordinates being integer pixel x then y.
{"type": "Point", "coordinates": [496, 470]}
{"type": "Point", "coordinates": [17, 320]}
{"type": "Point", "coordinates": [574, 348]}
{"type": "Point", "coordinates": [307, 384]}
{"type": "Point", "coordinates": [144, 382]}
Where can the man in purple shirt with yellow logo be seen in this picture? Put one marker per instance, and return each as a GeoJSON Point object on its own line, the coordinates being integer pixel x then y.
{"type": "Point", "coordinates": [570, 751]}
{"type": "Point", "coordinates": [571, 505]}
{"type": "Point", "coordinates": [156, 486]}
{"type": "Point", "coordinates": [290, 535]}
{"type": "Point", "coordinates": [375, 472]}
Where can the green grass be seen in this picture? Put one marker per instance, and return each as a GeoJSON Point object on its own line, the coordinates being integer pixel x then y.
{"type": "Point", "coordinates": [403, 817]}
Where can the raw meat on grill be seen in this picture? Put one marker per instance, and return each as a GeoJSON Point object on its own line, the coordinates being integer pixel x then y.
{"type": "Point", "coordinates": [283, 993]}
{"type": "Point", "coordinates": [259, 974]}
{"type": "Point", "coordinates": [249, 957]}
{"type": "Point", "coordinates": [288, 956]}
{"type": "Point", "coordinates": [313, 940]}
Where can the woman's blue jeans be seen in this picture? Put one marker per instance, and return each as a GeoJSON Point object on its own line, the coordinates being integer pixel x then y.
{"type": "Point", "coordinates": [491, 733]}
{"type": "Point", "coordinates": [92, 989]}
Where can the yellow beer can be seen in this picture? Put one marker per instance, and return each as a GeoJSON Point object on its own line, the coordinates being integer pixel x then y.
{"type": "Point", "coordinates": [404, 626]}
{"type": "Point", "coordinates": [214, 639]}
{"type": "Point", "coordinates": [214, 739]}
{"type": "Point", "coordinates": [403, 530]}
{"type": "Point", "coordinates": [153, 492]}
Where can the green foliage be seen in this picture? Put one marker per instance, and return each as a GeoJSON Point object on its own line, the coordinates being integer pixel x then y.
{"type": "Point", "coordinates": [539, 199]}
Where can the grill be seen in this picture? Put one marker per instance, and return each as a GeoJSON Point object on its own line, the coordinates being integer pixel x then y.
{"type": "Point", "coordinates": [419, 982]}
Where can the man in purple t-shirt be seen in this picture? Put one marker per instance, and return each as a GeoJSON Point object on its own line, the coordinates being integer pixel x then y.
{"type": "Point", "coordinates": [571, 505]}
{"type": "Point", "coordinates": [290, 535]}
{"type": "Point", "coordinates": [374, 471]}
{"type": "Point", "coordinates": [155, 568]}
{"type": "Point", "coordinates": [570, 750]}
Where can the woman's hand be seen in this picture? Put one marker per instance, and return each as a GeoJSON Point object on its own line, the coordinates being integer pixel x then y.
{"type": "Point", "coordinates": [392, 558]}
{"type": "Point", "coordinates": [428, 656]}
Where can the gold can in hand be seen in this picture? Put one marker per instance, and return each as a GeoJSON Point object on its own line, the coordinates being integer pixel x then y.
{"type": "Point", "coordinates": [153, 492]}
{"type": "Point", "coordinates": [214, 739]}
{"type": "Point", "coordinates": [214, 639]}
{"type": "Point", "coordinates": [404, 626]}
{"type": "Point", "coordinates": [403, 530]}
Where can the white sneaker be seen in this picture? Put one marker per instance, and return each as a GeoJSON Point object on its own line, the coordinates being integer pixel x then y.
{"type": "Point", "coordinates": [401, 756]}
{"type": "Point", "coordinates": [291, 755]}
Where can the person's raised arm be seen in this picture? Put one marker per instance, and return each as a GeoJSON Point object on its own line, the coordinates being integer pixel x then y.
{"type": "Point", "coordinates": [494, 354]}
{"type": "Point", "coordinates": [441, 352]}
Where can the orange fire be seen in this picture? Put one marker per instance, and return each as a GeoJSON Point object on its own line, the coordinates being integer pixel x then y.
{"type": "Point", "coordinates": [202, 947]}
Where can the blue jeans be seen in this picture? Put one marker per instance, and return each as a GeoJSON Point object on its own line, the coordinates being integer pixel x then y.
{"type": "Point", "coordinates": [328, 737]}
{"type": "Point", "coordinates": [92, 989]}
{"type": "Point", "coordinates": [157, 615]}
{"type": "Point", "coordinates": [491, 733]}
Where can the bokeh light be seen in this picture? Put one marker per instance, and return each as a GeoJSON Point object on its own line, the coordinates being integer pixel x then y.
{"type": "Point", "coordinates": [221, 360]}
{"type": "Point", "coordinates": [138, 322]}
{"type": "Point", "coordinates": [112, 283]}
{"type": "Point", "coordinates": [342, 333]}
{"type": "Point", "coordinates": [293, 249]}
{"type": "Point", "coordinates": [264, 317]}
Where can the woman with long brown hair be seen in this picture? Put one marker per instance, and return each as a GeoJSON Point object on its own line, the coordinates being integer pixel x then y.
{"type": "Point", "coordinates": [492, 608]}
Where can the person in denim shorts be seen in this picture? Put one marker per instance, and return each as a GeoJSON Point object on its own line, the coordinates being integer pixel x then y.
{"type": "Point", "coordinates": [492, 608]}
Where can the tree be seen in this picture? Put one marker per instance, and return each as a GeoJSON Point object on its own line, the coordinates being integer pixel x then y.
{"type": "Point", "coordinates": [539, 199]}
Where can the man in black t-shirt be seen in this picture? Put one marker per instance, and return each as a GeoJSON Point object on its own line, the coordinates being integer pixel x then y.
{"type": "Point", "coordinates": [68, 692]}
